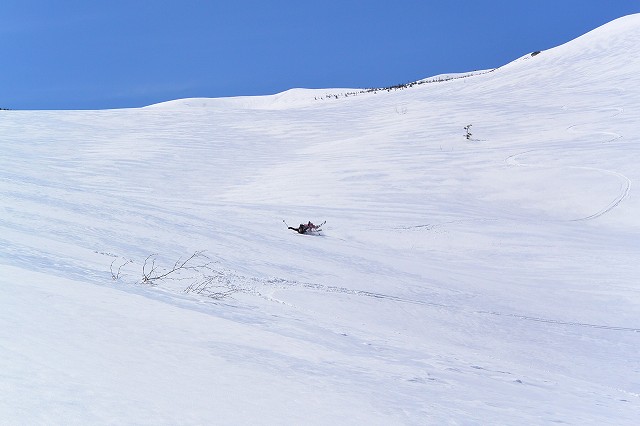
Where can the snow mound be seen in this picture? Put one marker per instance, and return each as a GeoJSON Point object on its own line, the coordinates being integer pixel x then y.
{"type": "Point", "coordinates": [292, 98]}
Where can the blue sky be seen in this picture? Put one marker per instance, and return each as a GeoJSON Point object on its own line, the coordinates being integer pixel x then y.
{"type": "Point", "coordinates": [80, 54]}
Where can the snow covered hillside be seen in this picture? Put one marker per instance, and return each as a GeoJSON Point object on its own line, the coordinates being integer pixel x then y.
{"type": "Point", "coordinates": [490, 280]}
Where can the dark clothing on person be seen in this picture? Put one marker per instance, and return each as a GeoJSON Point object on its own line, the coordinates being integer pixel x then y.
{"type": "Point", "coordinates": [303, 229]}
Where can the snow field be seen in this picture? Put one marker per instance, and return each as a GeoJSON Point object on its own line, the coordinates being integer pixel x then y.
{"type": "Point", "coordinates": [483, 281]}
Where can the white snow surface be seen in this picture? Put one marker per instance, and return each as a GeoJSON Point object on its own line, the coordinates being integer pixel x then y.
{"type": "Point", "coordinates": [486, 281]}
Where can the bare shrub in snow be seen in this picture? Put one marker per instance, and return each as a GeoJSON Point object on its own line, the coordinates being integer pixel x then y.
{"type": "Point", "coordinates": [216, 286]}
{"type": "Point", "coordinates": [468, 132]}
{"type": "Point", "coordinates": [151, 272]}
{"type": "Point", "coordinates": [115, 275]}
{"type": "Point", "coordinates": [196, 271]}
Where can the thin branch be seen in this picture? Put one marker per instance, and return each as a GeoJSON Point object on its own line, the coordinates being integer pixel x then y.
{"type": "Point", "coordinates": [116, 275]}
{"type": "Point", "coordinates": [156, 274]}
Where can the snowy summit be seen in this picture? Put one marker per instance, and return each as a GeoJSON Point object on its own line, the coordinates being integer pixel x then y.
{"type": "Point", "coordinates": [479, 276]}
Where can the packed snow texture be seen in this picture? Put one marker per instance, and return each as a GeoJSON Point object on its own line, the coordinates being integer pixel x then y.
{"type": "Point", "coordinates": [494, 280]}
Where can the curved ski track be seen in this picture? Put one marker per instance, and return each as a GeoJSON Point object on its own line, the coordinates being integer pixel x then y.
{"type": "Point", "coordinates": [626, 182]}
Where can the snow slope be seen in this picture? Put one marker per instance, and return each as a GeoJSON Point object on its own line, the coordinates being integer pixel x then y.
{"type": "Point", "coordinates": [484, 281]}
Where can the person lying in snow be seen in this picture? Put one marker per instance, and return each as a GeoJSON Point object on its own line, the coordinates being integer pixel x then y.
{"type": "Point", "coordinates": [303, 229]}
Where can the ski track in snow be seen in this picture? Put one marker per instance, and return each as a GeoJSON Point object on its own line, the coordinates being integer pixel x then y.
{"type": "Point", "coordinates": [625, 186]}
{"type": "Point", "coordinates": [386, 297]}
{"type": "Point", "coordinates": [256, 286]}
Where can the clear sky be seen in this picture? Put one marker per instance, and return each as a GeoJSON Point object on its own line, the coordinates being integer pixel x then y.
{"type": "Point", "coordinates": [84, 54]}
